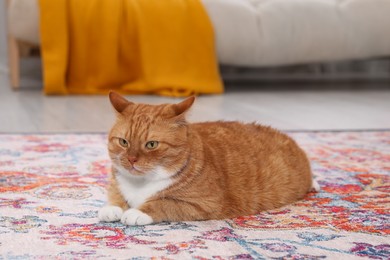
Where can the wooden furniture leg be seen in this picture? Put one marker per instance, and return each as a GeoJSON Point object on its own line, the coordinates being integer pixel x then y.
{"type": "Point", "coordinates": [13, 59]}
{"type": "Point", "coordinates": [13, 62]}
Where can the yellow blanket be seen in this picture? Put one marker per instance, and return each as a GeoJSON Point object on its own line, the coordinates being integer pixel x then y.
{"type": "Point", "coordinates": [162, 47]}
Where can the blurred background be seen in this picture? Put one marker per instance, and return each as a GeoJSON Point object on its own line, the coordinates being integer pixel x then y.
{"type": "Point", "coordinates": [290, 64]}
{"type": "Point", "coordinates": [3, 40]}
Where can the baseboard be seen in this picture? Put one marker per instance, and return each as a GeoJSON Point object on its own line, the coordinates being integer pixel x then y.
{"type": "Point", "coordinates": [359, 70]}
{"type": "Point", "coordinates": [374, 70]}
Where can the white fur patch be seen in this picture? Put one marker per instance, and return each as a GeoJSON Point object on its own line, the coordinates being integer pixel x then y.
{"type": "Point", "coordinates": [315, 186]}
{"type": "Point", "coordinates": [137, 189]}
{"type": "Point", "coordinates": [133, 217]}
{"type": "Point", "coordinates": [110, 213]}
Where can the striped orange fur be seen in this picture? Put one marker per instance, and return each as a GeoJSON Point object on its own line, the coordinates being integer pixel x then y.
{"type": "Point", "coordinates": [216, 170]}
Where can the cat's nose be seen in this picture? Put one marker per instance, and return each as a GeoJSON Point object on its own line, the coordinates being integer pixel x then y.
{"type": "Point", "coordinates": [132, 159]}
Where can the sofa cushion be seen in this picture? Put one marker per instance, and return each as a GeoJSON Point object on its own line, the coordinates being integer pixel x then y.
{"type": "Point", "coordinates": [23, 20]}
{"type": "Point", "coordinates": [282, 32]}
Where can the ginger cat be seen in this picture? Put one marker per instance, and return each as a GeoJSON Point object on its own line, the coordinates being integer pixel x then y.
{"type": "Point", "coordinates": [166, 169]}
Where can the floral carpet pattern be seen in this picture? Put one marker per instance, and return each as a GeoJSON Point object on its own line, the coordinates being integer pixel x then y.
{"type": "Point", "coordinates": [51, 187]}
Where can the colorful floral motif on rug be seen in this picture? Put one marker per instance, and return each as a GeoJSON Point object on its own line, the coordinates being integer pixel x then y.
{"type": "Point", "coordinates": [51, 187]}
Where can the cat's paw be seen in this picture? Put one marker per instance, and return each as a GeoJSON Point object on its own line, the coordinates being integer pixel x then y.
{"type": "Point", "coordinates": [315, 186]}
{"type": "Point", "coordinates": [134, 217]}
{"type": "Point", "coordinates": [110, 214]}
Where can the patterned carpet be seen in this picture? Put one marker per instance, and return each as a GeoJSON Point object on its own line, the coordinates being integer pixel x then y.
{"type": "Point", "coordinates": [51, 187]}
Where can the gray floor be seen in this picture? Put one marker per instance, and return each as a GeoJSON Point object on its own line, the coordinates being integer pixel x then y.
{"type": "Point", "coordinates": [288, 107]}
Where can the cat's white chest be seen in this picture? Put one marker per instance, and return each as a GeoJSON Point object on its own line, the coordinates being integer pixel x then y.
{"type": "Point", "coordinates": [136, 190]}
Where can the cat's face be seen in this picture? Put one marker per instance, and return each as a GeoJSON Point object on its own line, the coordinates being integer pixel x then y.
{"type": "Point", "coordinates": [148, 141]}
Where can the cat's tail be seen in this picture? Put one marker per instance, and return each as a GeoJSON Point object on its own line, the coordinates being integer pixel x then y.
{"type": "Point", "coordinates": [315, 186]}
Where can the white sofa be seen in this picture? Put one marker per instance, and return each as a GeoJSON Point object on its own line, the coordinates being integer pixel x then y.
{"type": "Point", "coordinates": [257, 33]}
{"type": "Point", "coordinates": [282, 32]}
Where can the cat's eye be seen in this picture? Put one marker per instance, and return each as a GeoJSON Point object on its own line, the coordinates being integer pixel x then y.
{"type": "Point", "coordinates": [151, 145]}
{"type": "Point", "coordinates": [123, 142]}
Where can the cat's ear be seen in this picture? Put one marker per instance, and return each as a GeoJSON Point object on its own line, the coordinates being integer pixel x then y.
{"type": "Point", "coordinates": [118, 102]}
{"type": "Point", "coordinates": [183, 106]}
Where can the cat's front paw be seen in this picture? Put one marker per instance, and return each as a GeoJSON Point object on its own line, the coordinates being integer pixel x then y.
{"type": "Point", "coordinates": [134, 217]}
{"type": "Point", "coordinates": [315, 186]}
{"type": "Point", "coordinates": [110, 213]}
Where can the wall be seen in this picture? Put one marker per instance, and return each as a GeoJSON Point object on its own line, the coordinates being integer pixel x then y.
{"type": "Point", "coordinates": [3, 40]}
